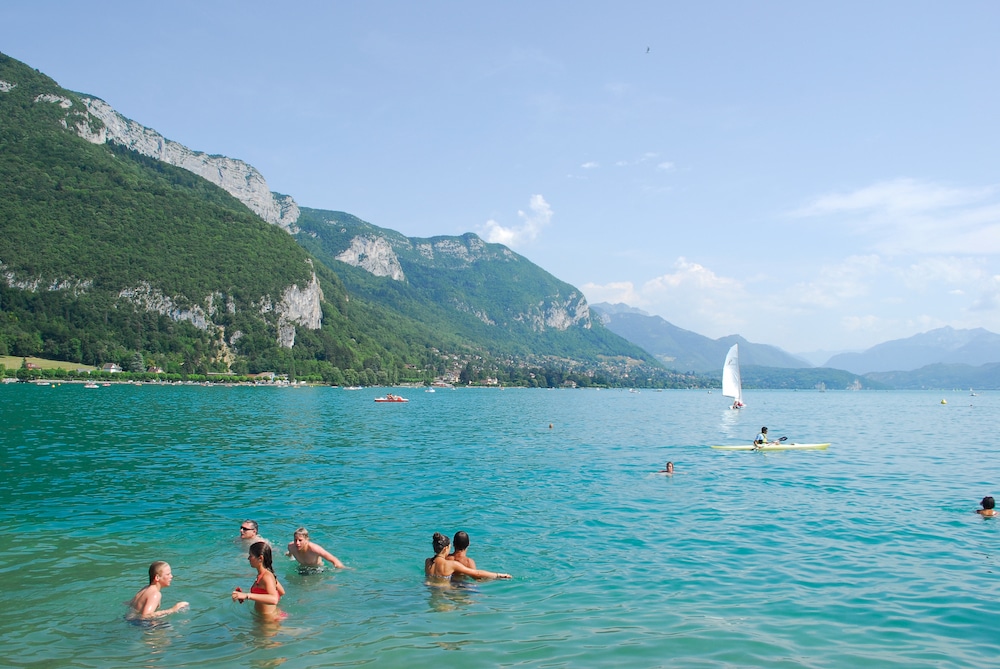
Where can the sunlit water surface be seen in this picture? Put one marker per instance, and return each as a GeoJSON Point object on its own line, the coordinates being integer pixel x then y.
{"type": "Point", "coordinates": [864, 555]}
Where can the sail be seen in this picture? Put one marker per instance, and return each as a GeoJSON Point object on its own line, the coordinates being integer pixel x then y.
{"type": "Point", "coordinates": [732, 384]}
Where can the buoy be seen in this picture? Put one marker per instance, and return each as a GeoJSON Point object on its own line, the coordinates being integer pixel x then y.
{"type": "Point", "coordinates": [944, 401]}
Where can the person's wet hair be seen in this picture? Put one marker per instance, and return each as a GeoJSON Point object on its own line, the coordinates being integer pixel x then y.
{"type": "Point", "coordinates": [157, 567]}
{"type": "Point", "coordinates": [440, 542]}
{"type": "Point", "coordinates": [461, 541]}
{"type": "Point", "coordinates": [988, 502]}
{"type": "Point", "coordinates": [253, 524]}
{"type": "Point", "coordinates": [263, 551]}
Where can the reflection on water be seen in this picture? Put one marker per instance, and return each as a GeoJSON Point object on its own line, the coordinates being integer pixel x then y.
{"type": "Point", "coordinates": [446, 597]}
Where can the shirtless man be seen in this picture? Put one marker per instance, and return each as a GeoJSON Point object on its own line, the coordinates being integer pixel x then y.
{"type": "Point", "coordinates": [248, 533]}
{"type": "Point", "coordinates": [308, 553]}
{"type": "Point", "coordinates": [146, 602]}
{"type": "Point", "coordinates": [988, 505]}
{"type": "Point", "coordinates": [460, 544]}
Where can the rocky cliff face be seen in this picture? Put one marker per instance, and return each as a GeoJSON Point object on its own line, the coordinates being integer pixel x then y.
{"type": "Point", "coordinates": [380, 254]}
{"type": "Point", "coordinates": [99, 123]}
{"type": "Point", "coordinates": [298, 306]}
{"type": "Point", "coordinates": [236, 177]}
{"type": "Point", "coordinates": [374, 255]}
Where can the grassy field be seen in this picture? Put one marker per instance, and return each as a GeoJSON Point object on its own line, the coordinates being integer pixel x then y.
{"type": "Point", "coordinates": [14, 362]}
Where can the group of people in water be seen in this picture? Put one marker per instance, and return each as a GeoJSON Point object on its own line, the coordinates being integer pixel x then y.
{"type": "Point", "coordinates": [441, 570]}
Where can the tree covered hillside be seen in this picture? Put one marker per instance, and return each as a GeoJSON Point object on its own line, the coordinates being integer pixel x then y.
{"type": "Point", "coordinates": [90, 230]}
{"type": "Point", "coordinates": [476, 295]}
{"type": "Point", "coordinates": [110, 256]}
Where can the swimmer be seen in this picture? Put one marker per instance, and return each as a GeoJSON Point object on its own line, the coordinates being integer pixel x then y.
{"type": "Point", "coordinates": [310, 554]}
{"type": "Point", "coordinates": [988, 503]}
{"type": "Point", "coordinates": [460, 544]}
{"type": "Point", "coordinates": [668, 470]}
{"type": "Point", "coordinates": [248, 533]}
{"type": "Point", "coordinates": [266, 591]}
{"type": "Point", "coordinates": [439, 569]}
{"type": "Point", "coordinates": [146, 602]}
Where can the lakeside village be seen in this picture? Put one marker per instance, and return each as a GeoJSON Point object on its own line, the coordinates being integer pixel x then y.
{"type": "Point", "coordinates": [40, 371]}
{"type": "Point", "coordinates": [48, 372]}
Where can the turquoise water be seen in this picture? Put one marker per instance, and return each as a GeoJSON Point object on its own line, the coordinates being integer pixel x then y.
{"type": "Point", "coordinates": [865, 555]}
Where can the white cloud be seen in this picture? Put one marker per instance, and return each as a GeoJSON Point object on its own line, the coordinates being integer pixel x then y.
{"type": "Point", "coordinates": [590, 165]}
{"type": "Point", "coordinates": [989, 297]}
{"type": "Point", "coordinates": [666, 166]}
{"type": "Point", "coordinates": [622, 291]}
{"type": "Point", "coordinates": [905, 216]}
{"type": "Point", "coordinates": [644, 158]}
{"type": "Point", "coordinates": [896, 197]}
{"type": "Point", "coordinates": [532, 222]}
{"type": "Point", "coordinates": [858, 302]}
{"type": "Point", "coordinates": [692, 296]}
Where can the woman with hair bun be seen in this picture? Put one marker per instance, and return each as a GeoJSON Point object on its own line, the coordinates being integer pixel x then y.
{"type": "Point", "coordinates": [439, 568]}
{"type": "Point", "coordinates": [265, 591]}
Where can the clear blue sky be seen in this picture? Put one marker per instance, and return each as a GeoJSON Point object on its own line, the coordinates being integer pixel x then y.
{"type": "Point", "coordinates": [809, 175]}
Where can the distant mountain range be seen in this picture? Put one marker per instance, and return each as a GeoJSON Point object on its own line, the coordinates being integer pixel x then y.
{"type": "Point", "coordinates": [942, 346]}
{"type": "Point", "coordinates": [943, 358]}
{"type": "Point", "coordinates": [682, 349]}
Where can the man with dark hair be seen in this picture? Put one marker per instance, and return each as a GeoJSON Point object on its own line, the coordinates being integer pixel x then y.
{"type": "Point", "coordinates": [248, 533]}
{"type": "Point", "coordinates": [459, 545]}
{"type": "Point", "coordinates": [988, 503]}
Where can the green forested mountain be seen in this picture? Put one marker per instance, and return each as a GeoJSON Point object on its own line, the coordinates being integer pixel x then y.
{"type": "Point", "coordinates": [465, 288]}
{"type": "Point", "coordinates": [104, 253]}
{"type": "Point", "coordinates": [943, 377]}
{"type": "Point", "coordinates": [107, 255]}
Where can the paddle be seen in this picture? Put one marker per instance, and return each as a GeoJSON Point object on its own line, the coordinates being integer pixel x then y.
{"type": "Point", "coordinates": [757, 447]}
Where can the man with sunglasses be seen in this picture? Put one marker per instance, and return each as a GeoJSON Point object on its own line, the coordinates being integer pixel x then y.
{"type": "Point", "coordinates": [248, 533]}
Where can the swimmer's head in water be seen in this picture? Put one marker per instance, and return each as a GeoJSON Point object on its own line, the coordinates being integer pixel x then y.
{"type": "Point", "coordinates": [262, 551]}
{"type": "Point", "coordinates": [988, 502]}
{"type": "Point", "coordinates": [461, 540]}
{"type": "Point", "coordinates": [440, 542]}
{"type": "Point", "coordinates": [158, 568]}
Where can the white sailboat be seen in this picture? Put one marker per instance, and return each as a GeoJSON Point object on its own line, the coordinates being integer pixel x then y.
{"type": "Point", "coordinates": [732, 383]}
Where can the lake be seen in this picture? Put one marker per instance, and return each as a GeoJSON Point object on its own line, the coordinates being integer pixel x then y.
{"type": "Point", "coordinates": [867, 554]}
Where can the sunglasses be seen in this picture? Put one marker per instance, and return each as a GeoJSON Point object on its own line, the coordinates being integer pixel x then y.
{"type": "Point", "coordinates": [246, 529]}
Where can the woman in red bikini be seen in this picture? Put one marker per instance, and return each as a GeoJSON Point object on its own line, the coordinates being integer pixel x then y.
{"type": "Point", "coordinates": [265, 591]}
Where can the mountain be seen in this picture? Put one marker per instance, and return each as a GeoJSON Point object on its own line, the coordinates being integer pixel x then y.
{"type": "Point", "coordinates": [942, 376]}
{"type": "Point", "coordinates": [942, 346]}
{"type": "Point", "coordinates": [479, 292]}
{"type": "Point", "coordinates": [685, 350]}
{"type": "Point", "coordinates": [118, 242]}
